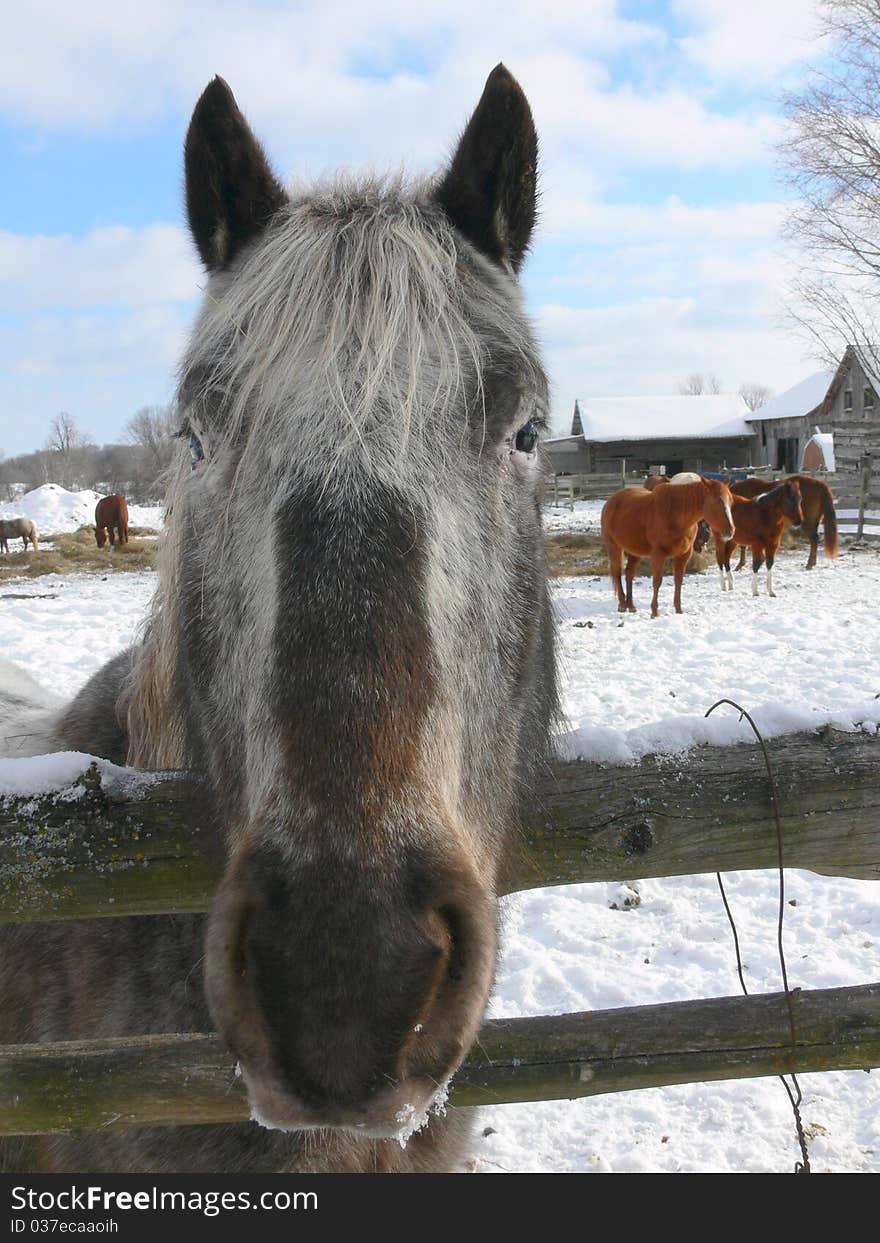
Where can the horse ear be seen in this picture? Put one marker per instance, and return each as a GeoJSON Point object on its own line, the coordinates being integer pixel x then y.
{"type": "Point", "coordinates": [231, 192]}
{"type": "Point", "coordinates": [489, 192]}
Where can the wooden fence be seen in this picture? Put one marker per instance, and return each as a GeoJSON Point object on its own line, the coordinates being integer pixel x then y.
{"type": "Point", "coordinates": [135, 846]}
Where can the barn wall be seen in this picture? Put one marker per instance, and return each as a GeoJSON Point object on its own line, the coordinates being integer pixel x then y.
{"type": "Point", "coordinates": [697, 454]}
{"type": "Point", "coordinates": [855, 430]}
{"type": "Point", "coordinates": [568, 458]}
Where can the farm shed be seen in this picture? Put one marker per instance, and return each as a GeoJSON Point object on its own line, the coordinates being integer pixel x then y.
{"type": "Point", "coordinates": [844, 403]}
{"type": "Point", "coordinates": [705, 432]}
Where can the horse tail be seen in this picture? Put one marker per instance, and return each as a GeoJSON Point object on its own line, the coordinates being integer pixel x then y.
{"type": "Point", "coordinates": [830, 539]}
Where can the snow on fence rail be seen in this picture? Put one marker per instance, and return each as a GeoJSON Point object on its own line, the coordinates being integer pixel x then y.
{"type": "Point", "coordinates": [142, 848]}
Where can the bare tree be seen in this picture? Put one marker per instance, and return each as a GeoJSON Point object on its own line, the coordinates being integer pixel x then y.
{"type": "Point", "coordinates": [154, 430]}
{"type": "Point", "coordinates": [66, 453]}
{"type": "Point", "coordinates": [755, 395]}
{"type": "Point", "coordinates": [832, 156]}
{"type": "Point", "coordinates": [64, 435]}
{"type": "Point", "coordinates": [698, 383]}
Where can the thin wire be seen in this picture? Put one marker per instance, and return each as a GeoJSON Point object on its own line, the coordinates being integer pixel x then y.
{"type": "Point", "coordinates": [796, 1097]}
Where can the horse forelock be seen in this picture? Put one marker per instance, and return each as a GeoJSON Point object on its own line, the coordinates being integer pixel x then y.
{"type": "Point", "coordinates": [363, 321]}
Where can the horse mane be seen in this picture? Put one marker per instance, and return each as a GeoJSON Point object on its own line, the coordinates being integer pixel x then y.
{"type": "Point", "coordinates": [365, 322]}
{"type": "Point", "coordinates": [150, 702]}
{"type": "Point", "coordinates": [767, 496]}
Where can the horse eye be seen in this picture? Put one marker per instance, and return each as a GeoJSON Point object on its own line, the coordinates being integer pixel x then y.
{"type": "Point", "coordinates": [197, 453]}
{"type": "Point", "coordinates": [527, 437]}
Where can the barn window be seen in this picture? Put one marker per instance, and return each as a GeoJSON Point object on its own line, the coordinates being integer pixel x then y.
{"type": "Point", "coordinates": [847, 399]}
{"type": "Point", "coordinates": [868, 400]}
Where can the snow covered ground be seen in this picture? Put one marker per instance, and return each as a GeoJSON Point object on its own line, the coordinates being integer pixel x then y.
{"type": "Point", "coordinates": [583, 516]}
{"type": "Point", "coordinates": [631, 685]}
{"type": "Point", "coordinates": [56, 510]}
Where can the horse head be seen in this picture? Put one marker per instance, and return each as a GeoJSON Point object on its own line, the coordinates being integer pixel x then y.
{"type": "Point", "coordinates": [352, 636]}
{"type": "Point", "coordinates": [717, 502]}
{"type": "Point", "coordinates": [792, 502]}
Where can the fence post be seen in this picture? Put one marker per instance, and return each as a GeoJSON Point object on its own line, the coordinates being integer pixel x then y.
{"type": "Point", "coordinates": [864, 486]}
{"type": "Point", "coordinates": [623, 472]}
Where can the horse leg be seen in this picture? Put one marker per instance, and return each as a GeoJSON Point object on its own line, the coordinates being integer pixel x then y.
{"type": "Point", "coordinates": [757, 562]}
{"type": "Point", "coordinates": [720, 553]}
{"type": "Point", "coordinates": [728, 551]}
{"type": "Point", "coordinates": [615, 569]}
{"type": "Point", "coordinates": [658, 560]}
{"type": "Point", "coordinates": [679, 565]}
{"type": "Point", "coordinates": [771, 557]}
{"type": "Point", "coordinates": [742, 558]}
{"type": "Point", "coordinates": [632, 562]}
{"type": "Point", "coordinates": [813, 534]}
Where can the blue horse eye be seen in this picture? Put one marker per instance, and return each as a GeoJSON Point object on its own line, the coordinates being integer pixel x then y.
{"type": "Point", "coordinates": [527, 437]}
{"type": "Point", "coordinates": [196, 452]}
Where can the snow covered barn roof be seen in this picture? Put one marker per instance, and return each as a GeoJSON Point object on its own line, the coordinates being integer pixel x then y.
{"type": "Point", "coordinates": [797, 401]}
{"type": "Point", "coordinates": [650, 418]}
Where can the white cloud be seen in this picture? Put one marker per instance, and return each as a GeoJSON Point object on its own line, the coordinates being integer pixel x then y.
{"type": "Point", "coordinates": [751, 40]}
{"type": "Point", "coordinates": [100, 370]}
{"type": "Point", "coordinates": [297, 74]}
{"type": "Point", "coordinates": [110, 267]}
{"type": "Point", "coordinates": [390, 82]}
{"type": "Point", "coordinates": [598, 223]}
{"type": "Point", "coordinates": [732, 326]}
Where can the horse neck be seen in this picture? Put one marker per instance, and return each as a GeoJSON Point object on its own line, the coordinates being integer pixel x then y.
{"type": "Point", "coordinates": [758, 512]}
{"type": "Point", "coordinates": [687, 500]}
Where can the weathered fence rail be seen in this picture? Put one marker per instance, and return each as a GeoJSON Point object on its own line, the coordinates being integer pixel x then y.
{"type": "Point", "coordinates": [146, 849]}
{"type": "Point", "coordinates": [176, 1080]}
{"type": "Point", "coordinates": [143, 846]}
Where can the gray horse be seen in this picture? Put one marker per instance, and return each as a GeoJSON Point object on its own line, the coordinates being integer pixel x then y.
{"type": "Point", "coordinates": [351, 638]}
{"type": "Point", "coordinates": [18, 528]}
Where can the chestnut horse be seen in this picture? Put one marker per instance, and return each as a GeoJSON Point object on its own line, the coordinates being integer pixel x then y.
{"type": "Point", "coordinates": [759, 524]}
{"type": "Point", "coordinates": [14, 528]}
{"type": "Point", "coordinates": [654, 481]}
{"type": "Point", "coordinates": [111, 518]}
{"type": "Point", "coordinates": [362, 672]}
{"type": "Point", "coordinates": [817, 504]}
{"type": "Point", "coordinates": [660, 524]}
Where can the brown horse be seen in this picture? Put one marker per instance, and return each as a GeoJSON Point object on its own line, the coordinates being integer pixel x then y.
{"type": "Point", "coordinates": [654, 481]}
{"type": "Point", "coordinates": [111, 518]}
{"type": "Point", "coordinates": [14, 528]}
{"type": "Point", "coordinates": [759, 524]}
{"type": "Point", "coordinates": [818, 506]}
{"type": "Point", "coordinates": [660, 524]}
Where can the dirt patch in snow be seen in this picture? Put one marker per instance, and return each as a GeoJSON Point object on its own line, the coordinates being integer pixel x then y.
{"type": "Point", "coordinates": [75, 552]}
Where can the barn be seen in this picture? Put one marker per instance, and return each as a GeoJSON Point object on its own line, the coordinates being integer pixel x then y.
{"type": "Point", "coordinates": [703, 433]}
{"type": "Point", "coordinates": [843, 403]}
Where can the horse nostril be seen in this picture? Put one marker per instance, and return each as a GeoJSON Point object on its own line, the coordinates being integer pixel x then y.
{"type": "Point", "coordinates": [455, 959]}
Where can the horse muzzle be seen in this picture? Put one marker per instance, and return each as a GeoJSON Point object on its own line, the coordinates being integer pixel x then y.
{"type": "Point", "coordinates": [348, 994]}
{"type": "Point", "coordinates": [394, 1113]}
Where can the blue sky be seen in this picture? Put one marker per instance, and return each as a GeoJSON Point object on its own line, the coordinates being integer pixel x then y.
{"type": "Point", "coordinates": [658, 251]}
